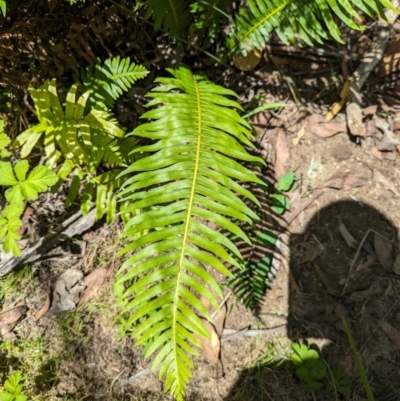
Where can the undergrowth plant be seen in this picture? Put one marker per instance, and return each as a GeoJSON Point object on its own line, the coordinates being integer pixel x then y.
{"type": "Point", "coordinates": [179, 178]}
{"type": "Point", "coordinates": [12, 390]}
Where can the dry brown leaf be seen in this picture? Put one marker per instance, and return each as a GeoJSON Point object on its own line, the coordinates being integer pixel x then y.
{"type": "Point", "coordinates": [210, 346]}
{"type": "Point", "coordinates": [10, 318]}
{"type": "Point", "coordinates": [260, 120]}
{"type": "Point", "coordinates": [93, 283]}
{"type": "Point", "coordinates": [336, 107]}
{"type": "Point", "coordinates": [391, 332]}
{"type": "Point", "coordinates": [370, 110]}
{"type": "Point", "coordinates": [378, 177]}
{"type": "Point", "coordinates": [390, 59]}
{"type": "Point", "coordinates": [44, 308]}
{"type": "Point", "coordinates": [248, 62]}
{"type": "Point", "coordinates": [396, 264]}
{"type": "Point", "coordinates": [331, 285]}
{"type": "Point", "coordinates": [279, 142]}
{"type": "Point", "coordinates": [345, 180]}
{"type": "Point", "coordinates": [318, 125]}
{"type": "Point", "coordinates": [279, 60]}
{"type": "Point", "coordinates": [299, 135]}
{"type": "Point", "coordinates": [376, 153]}
{"type": "Point", "coordinates": [384, 252]}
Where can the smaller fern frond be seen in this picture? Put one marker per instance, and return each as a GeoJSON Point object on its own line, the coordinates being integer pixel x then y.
{"type": "Point", "coordinates": [308, 21]}
{"type": "Point", "coordinates": [111, 79]}
{"type": "Point", "coordinates": [209, 15]}
{"type": "Point", "coordinates": [171, 15]}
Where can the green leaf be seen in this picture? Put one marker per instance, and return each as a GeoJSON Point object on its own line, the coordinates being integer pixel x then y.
{"type": "Point", "coordinates": [170, 193]}
{"type": "Point", "coordinates": [7, 177]}
{"type": "Point", "coordinates": [285, 182]}
{"type": "Point", "coordinates": [10, 223]}
{"type": "Point", "coordinates": [4, 140]}
{"type": "Point", "coordinates": [3, 7]}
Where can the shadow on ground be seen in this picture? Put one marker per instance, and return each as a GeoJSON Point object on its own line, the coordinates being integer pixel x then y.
{"type": "Point", "coordinates": [323, 292]}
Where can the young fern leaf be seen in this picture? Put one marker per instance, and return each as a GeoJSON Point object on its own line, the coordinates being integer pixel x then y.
{"type": "Point", "coordinates": [298, 20]}
{"type": "Point", "coordinates": [188, 193]}
{"type": "Point", "coordinates": [110, 79]}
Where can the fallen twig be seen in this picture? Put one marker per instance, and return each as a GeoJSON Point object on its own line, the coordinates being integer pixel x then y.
{"type": "Point", "coordinates": [76, 224]}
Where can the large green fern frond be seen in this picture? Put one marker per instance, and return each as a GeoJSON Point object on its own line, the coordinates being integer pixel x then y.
{"type": "Point", "coordinates": [298, 20]}
{"type": "Point", "coordinates": [188, 193]}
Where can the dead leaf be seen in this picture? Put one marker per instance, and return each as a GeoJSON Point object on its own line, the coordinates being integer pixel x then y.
{"type": "Point", "coordinates": [210, 346]}
{"type": "Point", "coordinates": [355, 119]}
{"type": "Point", "coordinates": [10, 318]}
{"type": "Point", "coordinates": [384, 252]}
{"type": "Point", "coordinates": [279, 60]}
{"type": "Point", "coordinates": [378, 177]}
{"type": "Point", "coordinates": [331, 285]}
{"type": "Point", "coordinates": [376, 288]}
{"type": "Point", "coordinates": [44, 308]}
{"type": "Point", "coordinates": [248, 62]}
{"type": "Point", "coordinates": [383, 155]}
{"type": "Point", "coordinates": [391, 332]}
{"type": "Point", "coordinates": [376, 153]}
{"type": "Point", "coordinates": [318, 125]}
{"type": "Point", "coordinates": [67, 291]}
{"type": "Point", "coordinates": [299, 135]}
{"type": "Point", "coordinates": [370, 110]}
{"type": "Point", "coordinates": [389, 139]}
{"type": "Point", "coordinates": [390, 59]}
{"type": "Point", "coordinates": [260, 120]}
{"type": "Point", "coordinates": [396, 264]}
{"type": "Point", "coordinates": [336, 107]}
{"type": "Point", "coordinates": [93, 283]}
{"type": "Point", "coordinates": [345, 180]}
{"type": "Point", "coordinates": [279, 142]}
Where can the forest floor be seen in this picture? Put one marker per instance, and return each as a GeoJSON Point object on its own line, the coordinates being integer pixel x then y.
{"type": "Point", "coordinates": [344, 189]}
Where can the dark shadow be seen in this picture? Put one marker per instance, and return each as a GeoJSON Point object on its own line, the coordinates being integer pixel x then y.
{"type": "Point", "coordinates": [322, 293]}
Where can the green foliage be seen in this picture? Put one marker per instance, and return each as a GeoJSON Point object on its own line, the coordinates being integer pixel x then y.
{"type": "Point", "coordinates": [4, 142]}
{"type": "Point", "coordinates": [3, 7]}
{"type": "Point", "coordinates": [84, 133]}
{"type": "Point", "coordinates": [279, 202]}
{"type": "Point", "coordinates": [13, 389]}
{"type": "Point", "coordinates": [309, 368]}
{"type": "Point", "coordinates": [186, 188]}
{"type": "Point", "coordinates": [170, 15]}
{"type": "Point", "coordinates": [308, 21]}
{"type": "Point", "coordinates": [23, 188]}
{"type": "Point", "coordinates": [340, 382]}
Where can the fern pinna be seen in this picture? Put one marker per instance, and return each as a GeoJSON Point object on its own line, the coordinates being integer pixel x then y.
{"type": "Point", "coordinates": [188, 193]}
{"type": "Point", "coordinates": [298, 20]}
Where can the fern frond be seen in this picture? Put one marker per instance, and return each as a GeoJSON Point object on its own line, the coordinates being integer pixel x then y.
{"type": "Point", "coordinates": [188, 193]}
{"type": "Point", "coordinates": [298, 20]}
{"type": "Point", "coordinates": [209, 14]}
{"type": "Point", "coordinates": [172, 15]}
{"type": "Point", "coordinates": [110, 79]}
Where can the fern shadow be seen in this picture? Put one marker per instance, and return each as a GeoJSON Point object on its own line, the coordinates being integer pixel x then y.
{"type": "Point", "coordinates": [323, 291]}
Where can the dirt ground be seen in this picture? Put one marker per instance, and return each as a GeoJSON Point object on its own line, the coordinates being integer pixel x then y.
{"type": "Point", "coordinates": [320, 280]}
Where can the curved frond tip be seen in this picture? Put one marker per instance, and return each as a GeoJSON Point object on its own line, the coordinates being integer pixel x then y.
{"type": "Point", "coordinates": [188, 193]}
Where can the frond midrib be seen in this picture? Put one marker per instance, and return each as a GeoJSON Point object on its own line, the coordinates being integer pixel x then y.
{"type": "Point", "coordinates": [187, 223]}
